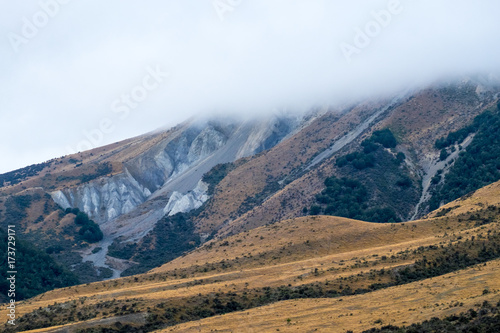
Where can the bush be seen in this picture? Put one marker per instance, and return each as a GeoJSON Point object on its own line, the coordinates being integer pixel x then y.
{"type": "Point", "coordinates": [90, 231]}
{"type": "Point", "coordinates": [385, 138]}
{"type": "Point", "coordinates": [82, 218]}
{"type": "Point", "coordinates": [404, 182]}
{"type": "Point", "coordinates": [74, 211]}
{"type": "Point", "coordinates": [443, 154]}
{"type": "Point", "coordinates": [365, 161]}
{"type": "Point", "coordinates": [369, 146]}
{"type": "Point", "coordinates": [315, 210]}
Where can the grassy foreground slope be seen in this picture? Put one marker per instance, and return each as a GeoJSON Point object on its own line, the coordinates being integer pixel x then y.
{"type": "Point", "coordinates": [443, 296]}
{"type": "Point", "coordinates": [298, 267]}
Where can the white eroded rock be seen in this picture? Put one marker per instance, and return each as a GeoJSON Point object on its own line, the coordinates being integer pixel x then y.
{"type": "Point", "coordinates": [179, 203]}
{"type": "Point", "coordinates": [105, 198]}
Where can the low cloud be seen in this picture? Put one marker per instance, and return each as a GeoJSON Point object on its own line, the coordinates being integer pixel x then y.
{"type": "Point", "coordinates": [66, 62]}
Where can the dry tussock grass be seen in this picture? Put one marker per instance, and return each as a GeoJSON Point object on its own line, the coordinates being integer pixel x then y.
{"type": "Point", "coordinates": [401, 305]}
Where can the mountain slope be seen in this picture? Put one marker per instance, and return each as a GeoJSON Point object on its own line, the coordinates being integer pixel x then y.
{"type": "Point", "coordinates": [417, 120]}
{"type": "Point", "coordinates": [307, 260]}
{"type": "Point", "coordinates": [159, 195]}
{"type": "Point", "coordinates": [129, 186]}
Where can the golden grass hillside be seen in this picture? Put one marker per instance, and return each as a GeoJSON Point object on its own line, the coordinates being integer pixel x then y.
{"type": "Point", "coordinates": [313, 237]}
{"type": "Point", "coordinates": [401, 305]}
{"type": "Point", "coordinates": [472, 202]}
{"type": "Point", "coordinates": [304, 258]}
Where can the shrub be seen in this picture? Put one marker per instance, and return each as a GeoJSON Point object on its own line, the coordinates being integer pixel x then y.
{"type": "Point", "coordinates": [443, 154]}
{"type": "Point", "coordinates": [82, 218]}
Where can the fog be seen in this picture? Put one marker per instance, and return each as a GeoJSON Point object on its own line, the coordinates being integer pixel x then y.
{"type": "Point", "coordinates": [123, 67]}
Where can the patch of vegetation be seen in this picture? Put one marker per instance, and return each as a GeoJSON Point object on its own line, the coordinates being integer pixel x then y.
{"type": "Point", "coordinates": [103, 169]}
{"type": "Point", "coordinates": [66, 250]}
{"type": "Point", "coordinates": [460, 135]}
{"type": "Point", "coordinates": [445, 211]}
{"type": "Point", "coordinates": [89, 230]}
{"type": "Point", "coordinates": [171, 237]}
{"type": "Point", "coordinates": [38, 272]}
{"type": "Point", "coordinates": [477, 166]}
{"type": "Point", "coordinates": [443, 155]}
{"type": "Point", "coordinates": [62, 249]}
{"type": "Point", "coordinates": [383, 137]}
{"type": "Point", "coordinates": [216, 174]}
{"type": "Point", "coordinates": [349, 198]}
{"type": "Point", "coordinates": [87, 272]}
{"type": "Point", "coordinates": [255, 200]}
{"type": "Point", "coordinates": [54, 249]}
{"type": "Point", "coordinates": [121, 250]}
{"type": "Point", "coordinates": [404, 182]}
{"type": "Point", "coordinates": [17, 176]}
{"type": "Point", "coordinates": [97, 250]}
{"type": "Point", "coordinates": [485, 318]}
{"type": "Point", "coordinates": [449, 259]}
{"type": "Point", "coordinates": [358, 160]}
{"type": "Point", "coordinates": [365, 158]}
{"type": "Point", "coordinates": [76, 311]}
{"type": "Point", "coordinates": [15, 208]}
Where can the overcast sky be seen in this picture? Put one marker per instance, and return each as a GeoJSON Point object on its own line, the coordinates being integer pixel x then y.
{"type": "Point", "coordinates": [79, 73]}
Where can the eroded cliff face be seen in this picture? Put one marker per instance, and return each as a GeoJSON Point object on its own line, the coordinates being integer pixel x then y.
{"type": "Point", "coordinates": [172, 169]}
{"type": "Point", "coordinates": [183, 203]}
{"type": "Point", "coordinates": [106, 198]}
{"type": "Point", "coordinates": [176, 154]}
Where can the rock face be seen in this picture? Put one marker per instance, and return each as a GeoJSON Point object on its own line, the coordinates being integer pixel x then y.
{"type": "Point", "coordinates": [175, 155]}
{"type": "Point", "coordinates": [179, 203]}
{"type": "Point", "coordinates": [106, 198]}
{"type": "Point", "coordinates": [173, 168]}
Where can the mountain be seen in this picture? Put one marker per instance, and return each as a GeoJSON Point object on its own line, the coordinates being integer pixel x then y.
{"type": "Point", "coordinates": [128, 186]}
{"type": "Point", "coordinates": [155, 197]}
